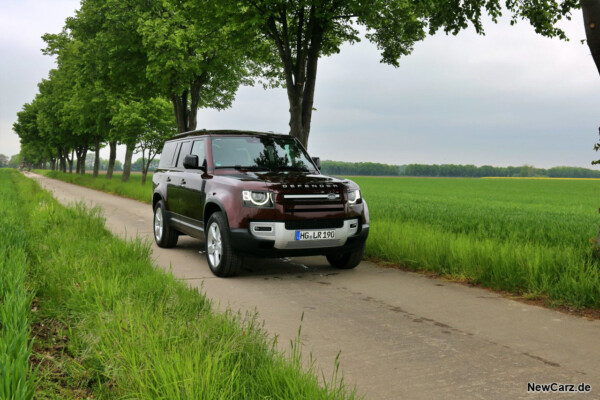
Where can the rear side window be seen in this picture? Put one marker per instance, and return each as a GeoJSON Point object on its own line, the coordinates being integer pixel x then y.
{"type": "Point", "coordinates": [167, 156]}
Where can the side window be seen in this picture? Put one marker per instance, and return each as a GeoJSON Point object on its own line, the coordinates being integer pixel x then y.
{"type": "Point", "coordinates": [168, 153]}
{"type": "Point", "coordinates": [198, 149]}
{"type": "Point", "coordinates": [186, 147]}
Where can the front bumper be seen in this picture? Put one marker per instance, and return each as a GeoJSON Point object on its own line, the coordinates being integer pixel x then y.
{"type": "Point", "coordinates": [281, 242]}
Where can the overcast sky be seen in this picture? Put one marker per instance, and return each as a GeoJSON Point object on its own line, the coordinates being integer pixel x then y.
{"type": "Point", "coordinates": [508, 98]}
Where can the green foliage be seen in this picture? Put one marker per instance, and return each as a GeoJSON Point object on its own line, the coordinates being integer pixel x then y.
{"type": "Point", "coordinates": [89, 163]}
{"type": "Point", "coordinates": [138, 165]}
{"type": "Point", "coordinates": [529, 236]}
{"type": "Point", "coordinates": [133, 331]}
{"type": "Point", "coordinates": [300, 32]}
{"type": "Point", "coordinates": [15, 161]}
{"type": "Point", "coordinates": [453, 170]}
{"type": "Point", "coordinates": [16, 377]}
{"type": "Point", "coordinates": [361, 168]}
{"type": "Point", "coordinates": [148, 123]}
{"type": "Point", "coordinates": [185, 43]}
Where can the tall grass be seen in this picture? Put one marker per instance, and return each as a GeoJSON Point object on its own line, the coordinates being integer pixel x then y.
{"type": "Point", "coordinates": [526, 236]}
{"type": "Point", "coordinates": [135, 332]}
{"type": "Point", "coordinates": [132, 189]}
{"type": "Point", "coordinates": [16, 378]}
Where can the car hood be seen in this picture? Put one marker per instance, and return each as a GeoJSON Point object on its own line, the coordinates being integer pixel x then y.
{"type": "Point", "coordinates": [291, 179]}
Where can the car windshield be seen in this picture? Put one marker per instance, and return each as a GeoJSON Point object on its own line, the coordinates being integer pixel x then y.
{"type": "Point", "coordinates": [260, 152]}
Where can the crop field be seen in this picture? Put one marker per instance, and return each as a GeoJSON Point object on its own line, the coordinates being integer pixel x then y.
{"type": "Point", "coordinates": [532, 237]}
{"type": "Point", "coordinates": [527, 236]}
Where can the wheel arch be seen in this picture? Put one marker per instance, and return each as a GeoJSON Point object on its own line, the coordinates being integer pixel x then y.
{"type": "Point", "coordinates": [212, 207]}
{"type": "Point", "coordinates": [156, 197]}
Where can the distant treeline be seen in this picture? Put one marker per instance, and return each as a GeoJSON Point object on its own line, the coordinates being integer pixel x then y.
{"type": "Point", "coordinates": [452, 170]}
{"type": "Point", "coordinates": [361, 168]}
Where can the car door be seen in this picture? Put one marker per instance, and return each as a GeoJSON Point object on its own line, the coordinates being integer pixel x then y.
{"type": "Point", "coordinates": [192, 190]}
{"type": "Point", "coordinates": [175, 195]}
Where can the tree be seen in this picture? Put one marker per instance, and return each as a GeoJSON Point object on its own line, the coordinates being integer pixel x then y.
{"type": "Point", "coordinates": [3, 161]}
{"type": "Point", "coordinates": [149, 123]}
{"type": "Point", "coordinates": [113, 65]}
{"type": "Point", "coordinates": [591, 22]}
{"type": "Point", "coordinates": [193, 59]}
{"type": "Point", "coordinates": [301, 31]}
{"type": "Point", "coordinates": [15, 161]}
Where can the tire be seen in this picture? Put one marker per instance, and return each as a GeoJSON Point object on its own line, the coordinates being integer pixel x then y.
{"type": "Point", "coordinates": [164, 235]}
{"type": "Point", "coordinates": [222, 259]}
{"type": "Point", "coordinates": [347, 260]}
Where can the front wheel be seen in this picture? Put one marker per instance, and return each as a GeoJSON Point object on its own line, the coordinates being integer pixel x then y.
{"type": "Point", "coordinates": [347, 260]}
{"type": "Point", "coordinates": [164, 235]}
{"type": "Point", "coordinates": [222, 259]}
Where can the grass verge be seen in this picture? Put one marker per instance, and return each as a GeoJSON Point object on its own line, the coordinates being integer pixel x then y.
{"type": "Point", "coordinates": [16, 377]}
{"type": "Point", "coordinates": [110, 325]}
{"type": "Point", "coordinates": [132, 189]}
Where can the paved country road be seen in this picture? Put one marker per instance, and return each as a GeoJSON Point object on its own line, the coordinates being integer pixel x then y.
{"type": "Point", "coordinates": [401, 335]}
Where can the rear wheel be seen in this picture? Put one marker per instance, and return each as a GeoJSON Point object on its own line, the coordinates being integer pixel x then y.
{"type": "Point", "coordinates": [347, 260]}
{"type": "Point", "coordinates": [222, 259]}
{"type": "Point", "coordinates": [164, 235]}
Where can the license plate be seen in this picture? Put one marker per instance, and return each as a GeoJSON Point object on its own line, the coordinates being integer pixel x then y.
{"type": "Point", "coordinates": [315, 235]}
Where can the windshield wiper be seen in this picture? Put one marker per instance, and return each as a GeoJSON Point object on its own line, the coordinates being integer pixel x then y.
{"type": "Point", "coordinates": [291, 168]}
{"type": "Point", "coordinates": [246, 167]}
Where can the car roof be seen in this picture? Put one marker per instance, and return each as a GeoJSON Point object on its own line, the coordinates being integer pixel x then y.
{"type": "Point", "coordinates": [232, 132]}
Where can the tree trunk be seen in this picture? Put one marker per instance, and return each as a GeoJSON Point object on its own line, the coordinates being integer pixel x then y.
{"type": "Point", "coordinates": [127, 164]}
{"type": "Point", "coordinates": [591, 22]}
{"type": "Point", "coordinates": [81, 152]}
{"type": "Point", "coordinates": [96, 156]}
{"type": "Point", "coordinates": [62, 162]}
{"type": "Point", "coordinates": [180, 108]}
{"type": "Point", "coordinates": [111, 158]}
{"type": "Point", "coordinates": [71, 161]}
{"type": "Point", "coordinates": [300, 70]}
{"type": "Point", "coordinates": [186, 115]}
{"type": "Point", "coordinates": [295, 100]}
{"type": "Point", "coordinates": [52, 164]}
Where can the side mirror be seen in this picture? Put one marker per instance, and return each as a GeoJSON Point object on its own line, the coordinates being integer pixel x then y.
{"type": "Point", "coordinates": [190, 162]}
{"type": "Point", "coordinates": [317, 161]}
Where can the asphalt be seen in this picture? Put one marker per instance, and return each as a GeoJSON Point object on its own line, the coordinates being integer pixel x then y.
{"type": "Point", "coordinates": [399, 335]}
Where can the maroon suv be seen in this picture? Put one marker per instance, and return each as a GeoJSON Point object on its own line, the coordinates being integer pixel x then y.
{"type": "Point", "coordinates": [253, 193]}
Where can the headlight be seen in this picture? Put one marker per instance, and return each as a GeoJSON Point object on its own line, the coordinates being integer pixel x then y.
{"type": "Point", "coordinates": [257, 199]}
{"type": "Point", "coordinates": [354, 197]}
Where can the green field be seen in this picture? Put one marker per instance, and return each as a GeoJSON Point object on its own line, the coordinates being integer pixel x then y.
{"type": "Point", "coordinates": [527, 236]}
{"type": "Point", "coordinates": [531, 237]}
{"type": "Point", "coordinates": [105, 323]}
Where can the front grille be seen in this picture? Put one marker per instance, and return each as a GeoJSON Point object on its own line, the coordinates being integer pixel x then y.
{"type": "Point", "coordinates": [331, 223]}
{"type": "Point", "coordinates": [307, 210]}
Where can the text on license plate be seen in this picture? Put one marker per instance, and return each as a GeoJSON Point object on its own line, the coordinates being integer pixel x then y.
{"type": "Point", "coordinates": [315, 235]}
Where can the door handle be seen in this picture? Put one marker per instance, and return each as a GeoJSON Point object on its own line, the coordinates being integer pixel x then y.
{"type": "Point", "coordinates": [183, 181]}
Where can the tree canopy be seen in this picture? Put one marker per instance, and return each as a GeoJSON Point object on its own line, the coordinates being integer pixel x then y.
{"type": "Point", "coordinates": [299, 32]}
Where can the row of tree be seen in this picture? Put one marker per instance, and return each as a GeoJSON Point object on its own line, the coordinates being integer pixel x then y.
{"type": "Point", "coordinates": [360, 168]}
{"type": "Point", "coordinates": [452, 170]}
{"type": "Point", "coordinates": [134, 72]}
